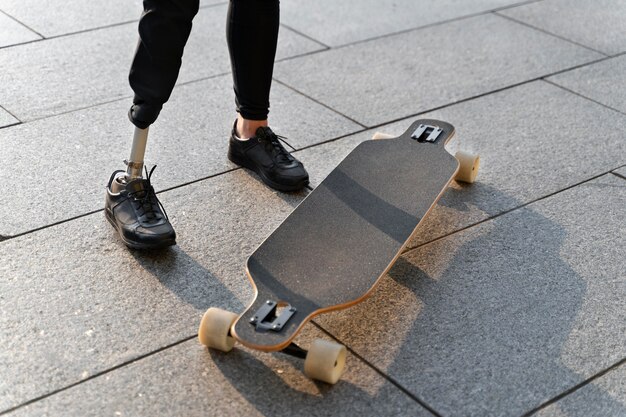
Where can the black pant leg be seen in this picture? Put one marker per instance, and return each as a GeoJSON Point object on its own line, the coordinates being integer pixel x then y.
{"type": "Point", "coordinates": [164, 28]}
{"type": "Point", "coordinates": [252, 34]}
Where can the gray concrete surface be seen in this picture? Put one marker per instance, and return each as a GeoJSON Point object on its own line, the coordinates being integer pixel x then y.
{"type": "Point", "coordinates": [509, 301]}
{"type": "Point", "coordinates": [98, 144]}
{"type": "Point", "coordinates": [6, 119]}
{"type": "Point", "coordinates": [598, 82]}
{"type": "Point", "coordinates": [498, 318]}
{"type": "Point", "coordinates": [12, 32]}
{"type": "Point", "coordinates": [114, 304]}
{"type": "Point", "coordinates": [597, 24]}
{"type": "Point", "coordinates": [349, 21]}
{"type": "Point", "coordinates": [63, 17]}
{"type": "Point", "coordinates": [47, 78]}
{"type": "Point", "coordinates": [398, 76]}
{"type": "Point", "coordinates": [605, 396]}
{"type": "Point", "coordinates": [235, 384]}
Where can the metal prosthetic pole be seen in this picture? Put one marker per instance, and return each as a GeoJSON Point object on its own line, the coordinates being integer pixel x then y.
{"type": "Point", "coordinates": [135, 162]}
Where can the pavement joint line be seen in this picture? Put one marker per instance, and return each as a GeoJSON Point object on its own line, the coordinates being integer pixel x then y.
{"type": "Point", "coordinates": [365, 128]}
{"type": "Point", "coordinates": [443, 106]}
{"type": "Point", "coordinates": [10, 125]}
{"type": "Point", "coordinates": [438, 23]}
{"type": "Point", "coordinates": [330, 108]}
{"type": "Point", "coordinates": [11, 113]}
{"type": "Point", "coordinates": [575, 388]}
{"type": "Point", "coordinates": [583, 96]}
{"type": "Point", "coordinates": [550, 33]}
{"type": "Point", "coordinates": [495, 216]}
{"type": "Point", "coordinates": [389, 378]}
{"type": "Point", "coordinates": [96, 375]}
{"type": "Point", "coordinates": [306, 36]}
{"type": "Point", "coordinates": [4, 238]}
{"type": "Point", "coordinates": [614, 173]}
{"type": "Point", "coordinates": [318, 102]}
{"type": "Point", "coordinates": [23, 24]}
{"type": "Point", "coordinates": [78, 32]}
{"type": "Point", "coordinates": [376, 369]}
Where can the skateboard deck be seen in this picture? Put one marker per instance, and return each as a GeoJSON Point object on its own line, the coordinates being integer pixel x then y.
{"type": "Point", "coordinates": [332, 250]}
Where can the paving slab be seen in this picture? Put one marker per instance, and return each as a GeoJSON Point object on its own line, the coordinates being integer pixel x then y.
{"type": "Point", "coordinates": [68, 73]}
{"type": "Point", "coordinates": [191, 380]}
{"type": "Point", "coordinates": [6, 119]}
{"type": "Point", "coordinates": [397, 76]}
{"type": "Point", "coordinates": [501, 317]}
{"type": "Point", "coordinates": [56, 17]}
{"type": "Point", "coordinates": [621, 171]}
{"type": "Point", "coordinates": [529, 147]}
{"type": "Point", "coordinates": [605, 396]}
{"type": "Point", "coordinates": [338, 23]}
{"type": "Point", "coordinates": [12, 32]}
{"type": "Point", "coordinates": [83, 148]}
{"type": "Point", "coordinates": [598, 81]}
{"type": "Point", "coordinates": [74, 301]}
{"type": "Point", "coordinates": [595, 24]}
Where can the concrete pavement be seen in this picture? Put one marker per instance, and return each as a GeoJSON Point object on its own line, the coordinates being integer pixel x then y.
{"type": "Point", "coordinates": [509, 303]}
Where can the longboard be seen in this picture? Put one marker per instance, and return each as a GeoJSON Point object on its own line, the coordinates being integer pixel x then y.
{"type": "Point", "coordinates": [333, 249]}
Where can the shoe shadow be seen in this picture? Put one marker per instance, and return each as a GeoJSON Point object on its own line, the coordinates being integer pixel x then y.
{"type": "Point", "coordinates": [187, 278]}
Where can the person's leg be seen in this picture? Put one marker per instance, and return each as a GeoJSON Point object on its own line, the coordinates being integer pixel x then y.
{"type": "Point", "coordinates": [252, 35]}
{"type": "Point", "coordinates": [131, 204]}
{"type": "Point", "coordinates": [164, 28]}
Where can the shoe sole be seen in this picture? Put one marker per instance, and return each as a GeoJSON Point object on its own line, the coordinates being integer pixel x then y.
{"type": "Point", "coordinates": [133, 244]}
{"type": "Point", "coordinates": [277, 186]}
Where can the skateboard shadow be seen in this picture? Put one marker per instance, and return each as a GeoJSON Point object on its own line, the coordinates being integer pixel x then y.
{"type": "Point", "coordinates": [274, 385]}
{"type": "Point", "coordinates": [481, 323]}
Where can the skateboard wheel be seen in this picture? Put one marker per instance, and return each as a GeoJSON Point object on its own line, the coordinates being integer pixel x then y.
{"type": "Point", "coordinates": [381, 135]}
{"type": "Point", "coordinates": [468, 169]}
{"type": "Point", "coordinates": [214, 329]}
{"type": "Point", "coordinates": [325, 361]}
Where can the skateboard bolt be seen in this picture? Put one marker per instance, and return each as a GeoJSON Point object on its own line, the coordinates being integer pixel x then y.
{"type": "Point", "coordinates": [275, 326]}
{"type": "Point", "coordinates": [292, 309]}
{"type": "Point", "coordinates": [269, 302]}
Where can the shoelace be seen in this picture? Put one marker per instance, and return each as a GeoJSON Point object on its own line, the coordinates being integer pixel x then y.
{"type": "Point", "coordinates": [147, 203]}
{"type": "Point", "coordinates": [272, 139]}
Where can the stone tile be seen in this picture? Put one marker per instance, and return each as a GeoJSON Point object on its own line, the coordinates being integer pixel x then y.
{"type": "Point", "coordinates": [401, 75]}
{"type": "Point", "coordinates": [45, 78]}
{"type": "Point", "coordinates": [337, 23]}
{"type": "Point", "coordinates": [534, 140]}
{"type": "Point", "coordinates": [190, 380]}
{"type": "Point", "coordinates": [498, 318]}
{"type": "Point", "coordinates": [74, 301]}
{"type": "Point", "coordinates": [598, 82]}
{"type": "Point", "coordinates": [83, 148]}
{"type": "Point", "coordinates": [605, 396]}
{"type": "Point", "coordinates": [596, 24]}
{"type": "Point", "coordinates": [11, 32]}
{"type": "Point", "coordinates": [6, 119]}
{"type": "Point", "coordinates": [55, 17]}
{"type": "Point", "coordinates": [621, 171]}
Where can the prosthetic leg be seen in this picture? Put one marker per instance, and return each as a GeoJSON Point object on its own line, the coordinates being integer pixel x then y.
{"type": "Point", "coordinates": [134, 164]}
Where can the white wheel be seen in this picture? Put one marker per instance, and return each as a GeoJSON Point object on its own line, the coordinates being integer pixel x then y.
{"type": "Point", "coordinates": [468, 169]}
{"type": "Point", "coordinates": [325, 361]}
{"type": "Point", "coordinates": [381, 135]}
{"type": "Point", "coordinates": [214, 331]}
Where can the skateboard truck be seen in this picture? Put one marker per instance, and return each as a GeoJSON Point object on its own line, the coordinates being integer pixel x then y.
{"type": "Point", "coordinates": [426, 133]}
{"type": "Point", "coordinates": [265, 317]}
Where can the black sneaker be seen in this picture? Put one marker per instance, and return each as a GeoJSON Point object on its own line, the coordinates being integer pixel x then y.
{"type": "Point", "coordinates": [136, 213]}
{"type": "Point", "coordinates": [265, 155]}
